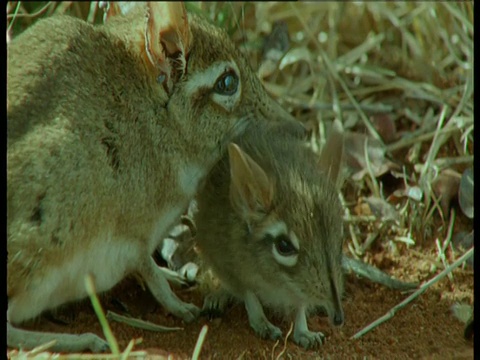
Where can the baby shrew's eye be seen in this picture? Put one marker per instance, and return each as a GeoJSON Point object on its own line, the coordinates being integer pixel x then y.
{"type": "Point", "coordinates": [227, 83]}
{"type": "Point", "coordinates": [284, 246]}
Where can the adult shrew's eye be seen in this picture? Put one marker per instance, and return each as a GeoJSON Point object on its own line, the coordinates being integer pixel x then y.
{"type": "Point", "coordinates": [227, 83]}
{"type": "Point", "coordinates": [284, 246]}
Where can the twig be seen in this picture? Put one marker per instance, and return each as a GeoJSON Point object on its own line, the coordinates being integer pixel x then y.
{"type": "Point", "coordinates": [410, 140]}
{"type": "Point", "coordinates": [432, 152]}
{"type": "Point", "coordinates": [107, 331]}
{"type": "Point", "coordinates": [316, 105]}
{"type": "Point", "coordinates": [417, 293]}
{"type": "Point", "coordinates": [13, 16]}
{"type": "Point", "coordinates": [375, 188]}
{"type": "Point", "coordinates": [359, 218]}
{"type": "Point", "coordinates": [425, 177]}
{"type": "Point", "coordinates": [351, 229]}
{"type": "Point", "coordinates": [357, 247]}
{"type": "Point", "coordinates": [465, 136]}
{"type": "Point", "coordinates": [274, 347]}
{"type": "Point", "coordinates": [366, 121]}
{"type": "Point", "coordinates": [285, 342]}
{"type": "Point", "coordinates": [92, 12]}
{"type": "Point", "coordinates": [446, 242]}
{"type": "Point", "coordinates": [126, 353]}
{"type": "Point", "coordinates": [371, 238]}
{"type": "Point", "coordinates": [138, 323]}
{"type": "Point", "coordinates": [199, 344]}
{"type": "Point", "coordinates": [443, 163]}
{"type": "Point", "coordinates": [436, 206]}
{"type": "Point", "coordinates": [42, 348]}
{"type": "Point", "coordinates": [39, 12]}
{"type": "Point", "coordinates": [15, 354]}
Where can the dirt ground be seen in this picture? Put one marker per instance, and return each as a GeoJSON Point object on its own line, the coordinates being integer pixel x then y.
{"type": "Point", "coordinates": [424, 329]}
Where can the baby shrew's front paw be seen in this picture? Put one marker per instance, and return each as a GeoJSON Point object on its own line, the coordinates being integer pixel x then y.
{"type": "Point", "coordinates": [308, 339]}
{"type": "Point", "coordinates": [267, 331]}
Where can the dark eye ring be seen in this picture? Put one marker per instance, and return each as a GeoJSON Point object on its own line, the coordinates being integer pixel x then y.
{"type": "Point", "coordinates": [284, 246]}
{"type": "Point", "coordinates": [227, 83]}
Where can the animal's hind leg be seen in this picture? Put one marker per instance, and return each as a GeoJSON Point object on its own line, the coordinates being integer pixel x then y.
{"type": "Point", "coordinates": [70, 343]}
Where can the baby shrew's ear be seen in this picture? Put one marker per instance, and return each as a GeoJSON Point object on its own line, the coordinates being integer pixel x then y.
{"type": "Point", "coordinates": [331, 158]}
{"type": "Point", "coordinates": [251, 191]}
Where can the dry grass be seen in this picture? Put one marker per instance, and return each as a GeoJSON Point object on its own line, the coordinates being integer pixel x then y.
{"type": "Point", "coordinates": [399, 74]}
